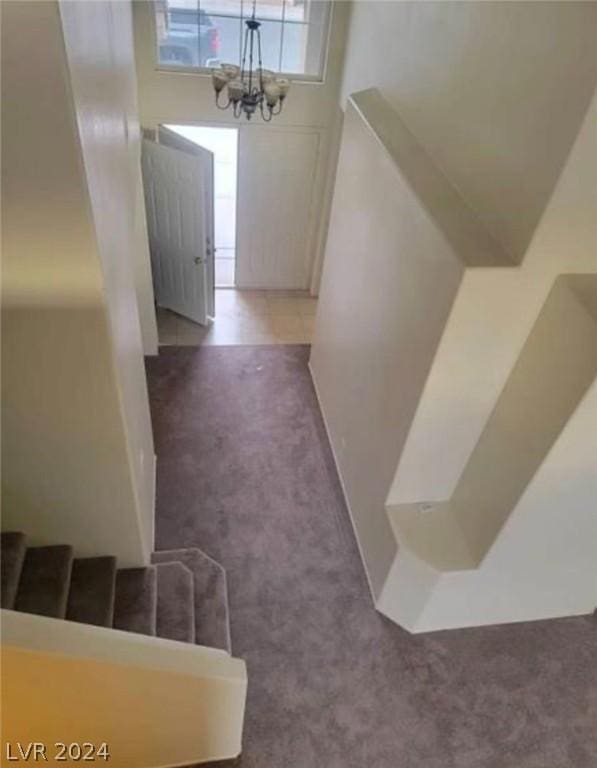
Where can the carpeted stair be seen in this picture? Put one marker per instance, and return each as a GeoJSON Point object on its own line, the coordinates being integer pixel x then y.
{"type": "Point", "coordinates": [211, 619]}
{"type": "Point", "coordinates": [181, 596]}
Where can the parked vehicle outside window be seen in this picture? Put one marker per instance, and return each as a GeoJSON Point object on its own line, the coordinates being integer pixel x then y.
{"type": "Point", "coordinates": [198, 34]}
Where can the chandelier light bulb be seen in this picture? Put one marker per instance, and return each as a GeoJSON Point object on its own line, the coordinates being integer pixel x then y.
{"type": "Point", "coordinates": [272, 93]}
{"type": "Point", "coordinates": [219, 80]}
{"type": "Point", "coordinates": [284, 85]}
{"type": "Point", "coordinates": [235, 90]}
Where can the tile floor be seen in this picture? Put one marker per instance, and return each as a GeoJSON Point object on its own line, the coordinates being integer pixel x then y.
{"type": "Point", "coordinates": [245, 317]}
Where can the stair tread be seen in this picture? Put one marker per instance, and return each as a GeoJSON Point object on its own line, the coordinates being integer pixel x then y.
{"type": "Point", "coordinates": [13, 548]}
{"type": "Point", "coordinates": [135, 602]}
{"type": "Point", "coordinates": [92, 590]}
{"type": "Point", "coordinates": [44, 583]}
{"type": "Point", "coordinates": [176, 606]}
{"type": "Point", "coordinates": [212, 623]}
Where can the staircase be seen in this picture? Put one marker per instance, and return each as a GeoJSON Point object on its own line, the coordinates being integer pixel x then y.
{"type": "Point", "coordinates": [181, 596]}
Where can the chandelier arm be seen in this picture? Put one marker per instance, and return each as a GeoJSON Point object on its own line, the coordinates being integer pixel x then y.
{"type": "Point", "coordinates": [267, 119]}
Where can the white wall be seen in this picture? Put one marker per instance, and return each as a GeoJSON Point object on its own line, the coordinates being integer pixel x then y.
{"type": "Point", "coordinates": [389, 280]}
{"type": "Point", "coordinates": [77, 443]}
{"type": "Point", "coordinates": [179, 98]}
{"type": "Point", "coordinates": [495, 91]}
{"type": "Point", "coordinates": [99, 46]}
{"type": "Point", "coordinates": [276, 174]}
{"type": "Point", "coordinates": [542, 544]}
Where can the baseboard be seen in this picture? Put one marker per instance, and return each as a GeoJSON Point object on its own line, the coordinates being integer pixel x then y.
{"type": "Point", "coordinates": [342, 485]}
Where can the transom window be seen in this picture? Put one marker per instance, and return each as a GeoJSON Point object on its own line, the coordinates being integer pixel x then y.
{"type": "Point", "coordinates": [198, 34]}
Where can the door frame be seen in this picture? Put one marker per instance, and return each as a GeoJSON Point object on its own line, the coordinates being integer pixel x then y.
{"type": "Point", "coordinates": [313, 249]}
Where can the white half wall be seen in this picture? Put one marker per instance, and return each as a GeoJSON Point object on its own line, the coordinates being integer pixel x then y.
{"type": "Point", "coordinates": [154, 702]}
{"type": "Point", "coordinates": [482, 436]}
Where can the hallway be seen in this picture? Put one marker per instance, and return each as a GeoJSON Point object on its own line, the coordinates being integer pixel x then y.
{"type": "Point", "coordinates": [245, 473]}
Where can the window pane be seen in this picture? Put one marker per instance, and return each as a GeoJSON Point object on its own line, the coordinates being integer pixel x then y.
{"type": "Point", "coordinates": [294, 50]}
{"type": "Point", "coordinates": [271, 10]}
{"type": "Point", "coordinates": [178, 33]}
{"type": "Point", "coordinates": [202, 33]}
{"type": "Point", "coordinates": [271, 38]}
{"type": "Point", "coordinates": [225, 43]}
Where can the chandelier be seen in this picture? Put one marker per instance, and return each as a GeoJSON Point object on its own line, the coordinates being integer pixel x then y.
{"type": "Point", "coordinates": [250, 89]}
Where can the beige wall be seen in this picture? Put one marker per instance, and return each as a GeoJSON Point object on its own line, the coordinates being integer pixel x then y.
{"type": "Point", "coordinates": [495, 91]}
{"type": "Point", "coordinates": [77, 446]}
{"type": "Point", "coordinates": [389, 280]}
{"type": "Point", "coordinates": [170, 97]}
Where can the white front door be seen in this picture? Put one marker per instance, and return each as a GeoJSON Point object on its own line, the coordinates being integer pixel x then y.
{"type": "Point", "coordinates": [179, 202]}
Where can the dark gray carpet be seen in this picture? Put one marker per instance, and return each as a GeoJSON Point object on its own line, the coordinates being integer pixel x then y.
{"type": "Point", "coordinates": [245, 473]}
{"type": "Point", "coordinates": [135, 600]}
{"type": "Point", "coordinates": [45, 579]}
{"type": "Point", "coordinates": [175, 617]}
{"type": "Point", "coordinates": [92, 590]}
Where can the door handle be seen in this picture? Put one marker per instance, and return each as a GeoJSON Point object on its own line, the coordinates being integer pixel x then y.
{"type": "Point", "coordinates": [199, 260]}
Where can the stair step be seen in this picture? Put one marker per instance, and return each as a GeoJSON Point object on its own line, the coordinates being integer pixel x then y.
{"type": "Point", "coordinates": [212, 623]}
{"type": "Point", "coordinates": [176, 606]}
{"type": "Point", "coordinates": [92, 589]}
{"type": "Point", "coordinates": [13, 555]}
{"type": "Point", "coordinates": [44, 583]}
{"type": "Point", "coordinates": [135, 602]}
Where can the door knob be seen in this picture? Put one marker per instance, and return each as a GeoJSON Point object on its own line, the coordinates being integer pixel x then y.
{"type": "Point", "coordinates": [199, 260]}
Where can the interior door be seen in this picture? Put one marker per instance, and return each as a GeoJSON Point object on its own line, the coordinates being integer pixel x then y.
{"type": "Point", "coordinates": [177, 198]}
{"type": "Point", "coordinates": [172, 139]}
